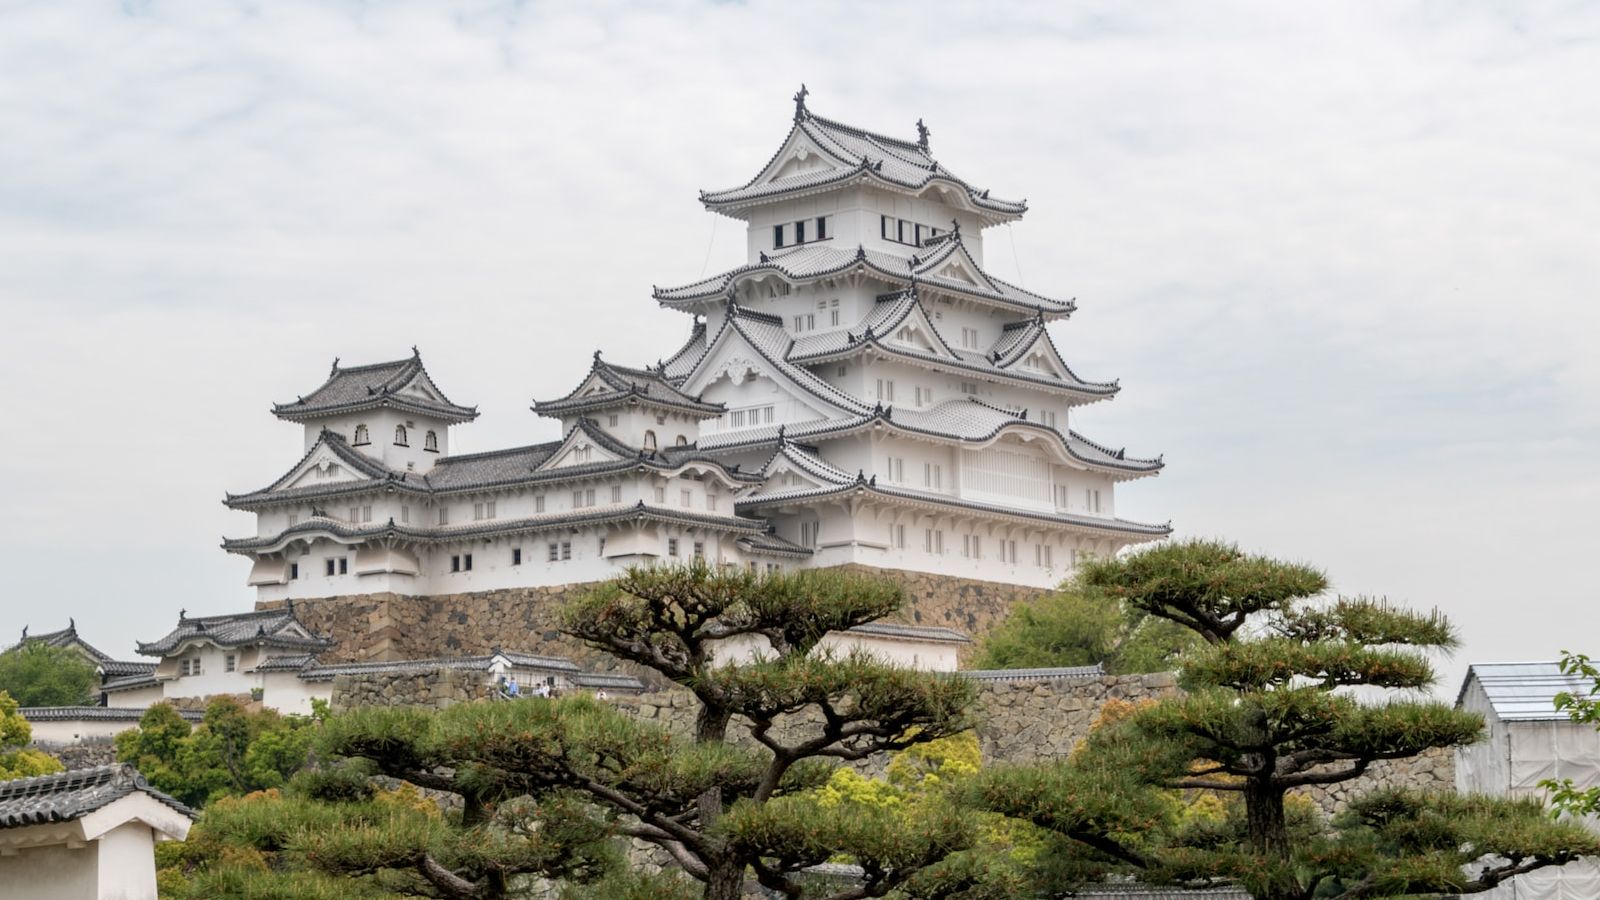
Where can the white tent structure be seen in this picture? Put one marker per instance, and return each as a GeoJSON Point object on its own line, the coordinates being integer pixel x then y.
{"type": "Point", "coordinates": [1526, 742]}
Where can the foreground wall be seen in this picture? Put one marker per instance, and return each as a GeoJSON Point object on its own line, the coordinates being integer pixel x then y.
{"type": "Point", "coordinates": [1018, 719]}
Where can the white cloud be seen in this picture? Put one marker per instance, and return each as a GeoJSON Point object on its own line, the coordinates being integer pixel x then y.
{"type": "Point", "coordinates": [1340, 254]}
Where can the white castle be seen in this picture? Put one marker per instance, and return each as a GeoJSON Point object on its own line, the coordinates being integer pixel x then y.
{"type": "Point", "coordinates": [860, 391]}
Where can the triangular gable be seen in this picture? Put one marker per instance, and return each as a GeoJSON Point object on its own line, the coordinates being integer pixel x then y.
{"type": "Point", "coordinates": [957, 265]}
{"type": "Point", "coordinates": [1037, 357]}
{"type": "Point", "coordinates": [733, 356]}
{"type": "Point", "coordinates": [791, 469]}
{"type": "Point", "coordinates": [421, 385]}
{"type": "Point", "coordinates": [324, 465]}
{"type": "Point", "coordinates": [915, 331]}
{"type": "Point", "coordinates": [580, 448]}
{"type": "Point", "coordinates": [801, 154]}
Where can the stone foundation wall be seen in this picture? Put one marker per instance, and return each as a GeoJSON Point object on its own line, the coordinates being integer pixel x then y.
{"type": "Point", "coordinates": [437, 689]}
{"type": "Point", "coordinates": [396, 626]}
{"type": "Point", "coordinates": [84, 754]}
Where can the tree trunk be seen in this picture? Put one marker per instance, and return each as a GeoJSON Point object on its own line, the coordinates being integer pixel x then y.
{"type": "Point", "coordinates": [725, 881]}
{"type": "Point", "coordinates": [1269, 835]}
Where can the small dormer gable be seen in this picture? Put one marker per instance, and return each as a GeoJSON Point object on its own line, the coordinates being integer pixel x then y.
{"type": "Point", "coordinates": [584, 445]}
{"type": "Point", "coordinates": [800, 156]}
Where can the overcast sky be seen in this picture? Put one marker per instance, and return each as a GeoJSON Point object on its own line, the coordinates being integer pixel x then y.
{"type": "Point", "coordinates": [1342, 256]}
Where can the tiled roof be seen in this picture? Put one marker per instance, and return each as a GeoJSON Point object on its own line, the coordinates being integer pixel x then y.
{"type": "Point", "coordinates": [378, 477]}
{"type": "Point", "coordinates": [450, 533]}
{"type": "Point", "coordinates": [353, 388]}
{"type": "Point", "coordinates": [767, 336]}
{"type": "Point", "coordinates": [861, 155]}
{"type": "Point", "coordinates": [66, 637]}
{"type": "Point", "coordinates": [834, 486]}
{"type": "Point", "coordinates": [967, 420]}
{"type": "Point", "coordinates": [130, 682]}
{"type": "Point", "coordinates": [625, 385]}
{"type": "Point", "coordinates": [267, 628]}
{"type": "Point", "coordinates": [292, 662]}
{"type": "Point", "coordinates": [72, 795]}
{"type": "Point", "coordinates": [117, 668]}
{"type": "Point", "coordinates": [513, 466]}
{"type": "Point", "coordinates": [96, 714]}
{"type": "Point", "coordinates": [678, 366]}
{"type": "Point", "coordinates": [911, 632]}
{"type": "Point", "coordinates": [1060, 673]}
{"type": "Point", "coordinates": [606, 681]}
{"type": "Point", "coordinates": [809, 262]}
{"type": "Point", "coordinates": [1523, 692]}
{"type": "Point", "coordinates": [771, 544]}
{"type": "Point", "coordinates": [463, 663]}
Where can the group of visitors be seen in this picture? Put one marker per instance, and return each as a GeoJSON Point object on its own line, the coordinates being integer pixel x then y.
{"type": "Point", "coordinates": [509, 689]}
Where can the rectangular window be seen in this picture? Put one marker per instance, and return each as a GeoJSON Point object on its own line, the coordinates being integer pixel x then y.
{"type": "Point", "coordinates": [455, 563]}
{"type": "Point", "coordinates": [612, 420]}
{"type": "Point", "coordinates": [808, 533]}
{"type": "Point", "coordinates": [736, 418]}
{"type": "Point", "coordinates": [969, 387]}
{"type": "Point", "coordinates": [355, 514]}
{"type": "Point", "coordinates": [294, 519]}
{"type": "Point", "coordinates": [1009, 549]}
{"type": "Point", "coordinates": [516, 556]}
{"type": "Point", "coordinates": [918, 234]}
{"type": "Point", "coordinates": [699, 551]}
{"type": "Point", "coordinates": [616, 493]}
{"type": "Point", "coordinates": [477, 511]}
{"type": "Point", "coordinates": [883, 227]}
{"type": "Point", "coordinates": [538, 503]}
{"type": "Point", "coordinates": [602, 546]}
{"type": "Point", "coordinates": [1097, 501]}
{"type": "Point", "coordinates": [885, 390]}
{"type": "Point", "coordinates": [1047, 418]}
{"type": "Point", "coordinates": [842, 371]}
{"type": "Point", "coordinates": [444, 515]}
{"type": "Point", "coordinates": [711, 501]}
{"type": "Point", "coordinates": [405, 514]}
{"type": "Point", "coordinates": [230, 662]}
{"type": "Point", "coordinates": [897, 536]}
{"type": "Point", "coordinates": [661, 494]}
{"type": "Point", "coordinates": [294, 571]}
{"type": "Point", "coordinates": [900, 230]}
{"type": "Point", "coordinates": [777, 236]}
{"type": "Point", "coordinates": [344, 565]}
{"type": "Point", "coordinates": [800, 232]}
{"type": "Point", "coordinates": [822, 228]}
{"type": "Point", "coordinates": [366, 514]}
{"type": "Point", "coordinates": [588, 497]}
{"type": "Point", "coordinates": [489, 510]}
{"type": "Point", "coordinates": [672, 547]}
{"type": "Point", "coordinates": [833, 317]}
{"type": "Point", "coordinates": [555, 552]}
{"type": "Point", "coordinates": [329, 567]}
{"type": "Point", "coordinates": [577, 499]}
{"type": "Point", "coordinates": [566, 549]}
{"type": "Point", "coordinates": [686, 498]}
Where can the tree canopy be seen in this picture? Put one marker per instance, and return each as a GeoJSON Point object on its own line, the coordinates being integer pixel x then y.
{"type": "Point", "coordinates": [1267, 710]}
{"type": "Point", "coordinates": [37, 674]}
{"type": "Point", "coordinates": [232, 751]}
{"type": "Point", "coordinates": [1079, 626]}
{"type": "Point", "coordinates": [16, 760]}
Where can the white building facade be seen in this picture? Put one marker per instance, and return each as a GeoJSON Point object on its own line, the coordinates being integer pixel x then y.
{"type": "Point", "coordinates": [860, 391]}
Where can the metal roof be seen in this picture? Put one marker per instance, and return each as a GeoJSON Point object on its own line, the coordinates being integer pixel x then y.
{"type": "Point", "coordinates": [1524, 692]}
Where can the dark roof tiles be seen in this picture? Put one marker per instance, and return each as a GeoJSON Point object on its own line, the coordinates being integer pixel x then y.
{"type": "Point", "coordinates": [71, 795]}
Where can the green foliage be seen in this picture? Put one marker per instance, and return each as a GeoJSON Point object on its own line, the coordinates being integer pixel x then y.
{"type": "Point", "coordinates": [1195, 788]}
{"type": "Point", "coordinates": [233, 751]}
{"type": "Point", "coordinates": [1079, 626]}
{"type": "Point", "coordinates": [1566, 798]}
{"type": "Point", "coordinates": [37, 674]}
{"type": "Point", "coordinates": [15, 733]}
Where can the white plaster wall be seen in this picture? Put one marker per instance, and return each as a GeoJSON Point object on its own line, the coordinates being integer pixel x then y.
{"type": "Point", "coordinates": [143, 698]}
{"type": "Point", "coordinates": [127, 869]}
{"type": "Point", "coordinates": [71, 731]}
{"type": "Point", "coordinates": [927, 655]}
{"type": "Point", "coordinates": [213, 677]}
{"type": "Point", "coordinates": [380, 430]}
{"type": "Point", "coordinates": [53, 872]}
{"type": "Point", "coordinates": [287, 693]}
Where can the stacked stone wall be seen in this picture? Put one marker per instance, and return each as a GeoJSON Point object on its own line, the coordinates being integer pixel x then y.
{"type": "Point", "coordinates": [437, 689]}
{"type": "Point", "coordinates": [390, 626]}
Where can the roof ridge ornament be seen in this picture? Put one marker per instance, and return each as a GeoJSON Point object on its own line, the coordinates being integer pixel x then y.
{"type": "Point", "coordinates": [800, 111]}
{"type": "Point", "coordinates": [335, 369]}
{"type": "Point", "coordinates": [922, 136]}
{"type": "Point", "coordinates": [955, 228]}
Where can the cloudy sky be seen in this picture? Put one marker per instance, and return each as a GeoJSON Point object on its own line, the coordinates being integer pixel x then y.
{"type": "Point", "coordinates": [1343, 256]}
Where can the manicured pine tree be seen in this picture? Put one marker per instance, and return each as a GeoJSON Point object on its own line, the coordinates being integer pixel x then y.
{"type": "Point", "coordinates": [727, 801]}
{"type": "Point", "coordinates": [1283, 695]}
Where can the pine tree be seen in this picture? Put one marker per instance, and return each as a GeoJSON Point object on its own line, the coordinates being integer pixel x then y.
{"type": "Point", "coordinates": [722, 802]}
{"type": "Point", "coordinates": [1280, 697]}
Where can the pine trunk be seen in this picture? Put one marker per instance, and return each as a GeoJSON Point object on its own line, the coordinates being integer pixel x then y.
{"type": "Point", "coordinates": [1269, 835]}
{"type": "Point", "coordinates": [725, 882]}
